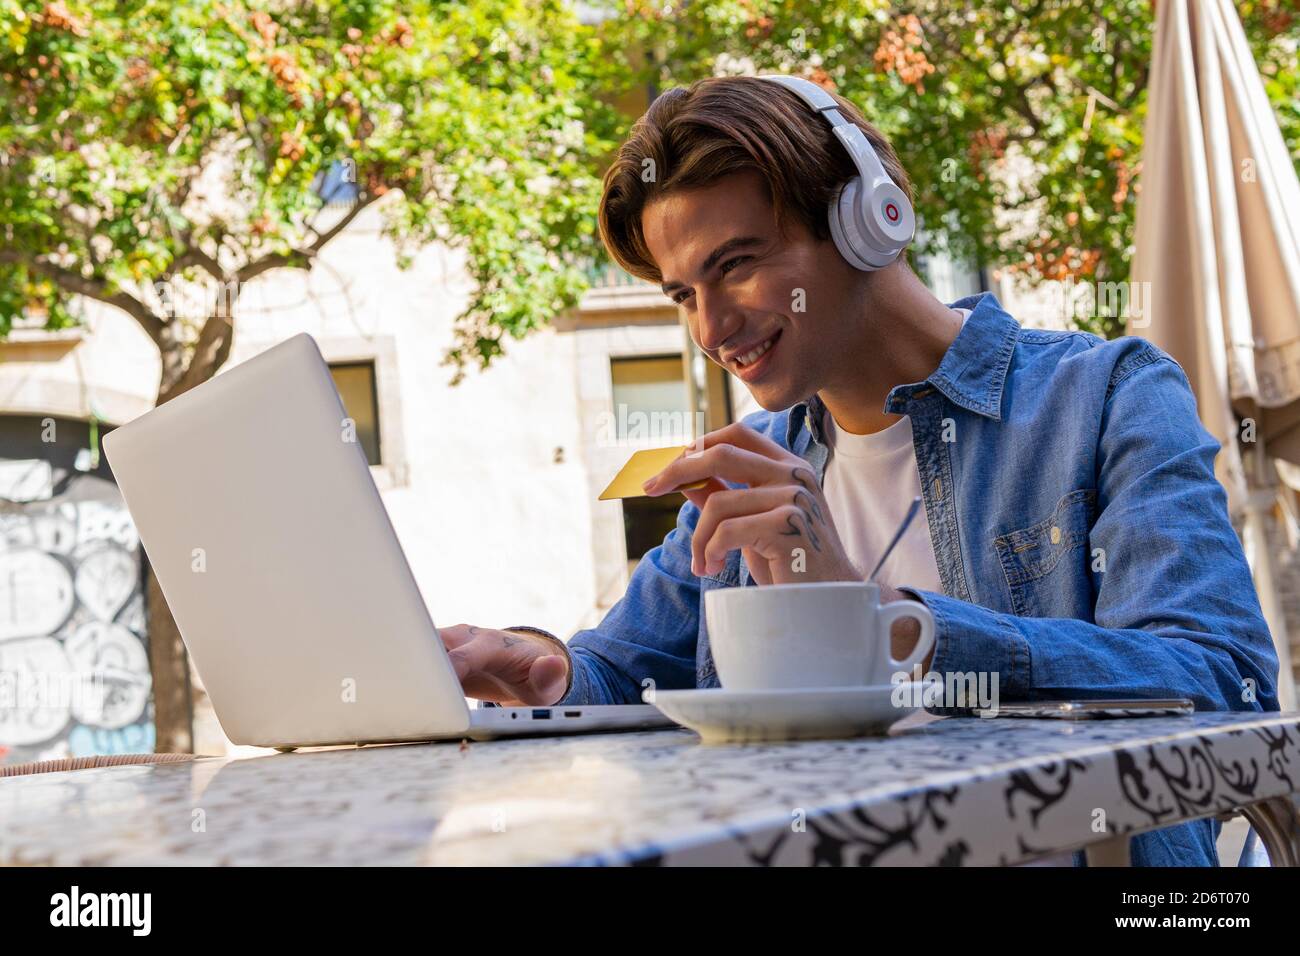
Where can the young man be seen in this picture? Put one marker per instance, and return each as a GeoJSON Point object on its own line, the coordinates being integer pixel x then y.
{"type": "Point", "coordinates": [1075, 541]}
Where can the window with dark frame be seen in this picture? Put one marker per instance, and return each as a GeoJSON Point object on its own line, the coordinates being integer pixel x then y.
{"type": "Point", "coordinates": [650, 391]}
{"type": "Point", "coordinates": [355, 382]}
{"type": "Point", "coordinates": [647, 521]}
{"type": "Point", "coordinates": [651, 398]}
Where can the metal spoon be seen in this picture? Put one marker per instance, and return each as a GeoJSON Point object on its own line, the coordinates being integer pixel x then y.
{"type": "Point", "coordinates": [907, 520]}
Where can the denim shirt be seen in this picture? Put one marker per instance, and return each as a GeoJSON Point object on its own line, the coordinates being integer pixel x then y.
{"type": "Point", "coordinates": [1083, 543]}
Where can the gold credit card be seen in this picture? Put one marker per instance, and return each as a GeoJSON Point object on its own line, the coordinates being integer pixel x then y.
{"type": "Point", "coordinates": [640, 468]}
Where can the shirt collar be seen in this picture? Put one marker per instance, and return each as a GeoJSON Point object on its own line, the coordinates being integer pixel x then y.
{"type": "Point", "coordinates": [971, 375]}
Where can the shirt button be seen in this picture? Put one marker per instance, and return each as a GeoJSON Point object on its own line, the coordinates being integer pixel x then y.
{"type": "Point", "coordinates": [938, 488]}
{"type": "Point", "coordinates": [1056, 535]}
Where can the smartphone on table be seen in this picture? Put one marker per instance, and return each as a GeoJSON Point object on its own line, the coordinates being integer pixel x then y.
{"type": "Point", "coordinates": [1090, 709]}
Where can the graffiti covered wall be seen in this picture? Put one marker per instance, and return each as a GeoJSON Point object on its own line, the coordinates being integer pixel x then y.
{"type": "Point", "coordinates": [74, 663]}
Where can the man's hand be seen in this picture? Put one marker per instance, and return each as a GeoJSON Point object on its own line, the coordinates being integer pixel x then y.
{"type": "Point", "coordinates": [781, 510]}
{"type": "Point", "coordinates": [514, 669]}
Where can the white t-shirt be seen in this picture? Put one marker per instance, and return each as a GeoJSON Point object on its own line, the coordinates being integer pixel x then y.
{"type": "Point", "coordinates": [869, 484]}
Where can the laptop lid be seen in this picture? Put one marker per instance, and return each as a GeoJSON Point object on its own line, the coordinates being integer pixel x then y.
{"type": "Point", "coordinates": [279, 562]}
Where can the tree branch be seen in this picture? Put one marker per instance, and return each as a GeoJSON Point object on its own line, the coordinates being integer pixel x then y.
{"type": "Point", "coordinates": [295, 258]}
{"type": "Point", "coordinates": [94, 289]}
{"type": "Point", "coordinates": [210, 352]}
{"type": "Point", "coordinates": [193, 255]}
{"type": "Point", "coordinates": [334, 230]}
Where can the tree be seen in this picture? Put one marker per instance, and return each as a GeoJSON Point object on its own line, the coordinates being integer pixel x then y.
{"type": "Point", "coordinates": [148, 146]}
{"type": "Point", "coordinates": [965, 92]}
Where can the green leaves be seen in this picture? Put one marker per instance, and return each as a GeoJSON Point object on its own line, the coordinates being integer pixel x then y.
{"type": "Point", "coordinates": [190, 133]}
{"type": "Point", "coordinates": [1056, 88]}
{"type": "Point", "coordinates": [142, 138]}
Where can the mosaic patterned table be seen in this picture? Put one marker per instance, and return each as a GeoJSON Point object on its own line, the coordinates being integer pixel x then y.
{"type": "Point", "coordinates": [963, 791]}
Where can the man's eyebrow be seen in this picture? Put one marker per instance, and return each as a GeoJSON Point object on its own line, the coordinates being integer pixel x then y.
{"type": "Point", "coordinates": [730, 245]}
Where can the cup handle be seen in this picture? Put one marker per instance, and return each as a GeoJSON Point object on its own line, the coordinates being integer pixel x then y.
{"type": "Point", "coordinates": [893, 611]}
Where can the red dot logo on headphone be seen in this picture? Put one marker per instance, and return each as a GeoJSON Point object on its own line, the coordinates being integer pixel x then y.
{"type": "Point", "coordinates": [891, 212]}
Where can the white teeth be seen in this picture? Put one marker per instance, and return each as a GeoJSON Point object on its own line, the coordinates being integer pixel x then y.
{"type": "Point", "coordinates": [753, 356]}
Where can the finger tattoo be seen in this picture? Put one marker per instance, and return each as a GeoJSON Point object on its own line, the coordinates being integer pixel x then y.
{"type": "Point", "coordinates": [795, 532]}
{"type": "Point", "coordinates": [812, 504]}
{"type": "Point", "coordinates": [802, 476]}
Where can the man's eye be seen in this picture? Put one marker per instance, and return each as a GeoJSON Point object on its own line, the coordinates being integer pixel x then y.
{"type": "Point", "coordinates": [726, 267]}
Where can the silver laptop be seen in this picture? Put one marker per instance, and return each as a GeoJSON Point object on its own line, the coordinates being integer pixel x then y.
{"type": "Point", "coordinates": [284, 574]}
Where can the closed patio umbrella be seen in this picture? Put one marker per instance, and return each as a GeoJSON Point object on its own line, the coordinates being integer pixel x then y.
{"type": "Point", "coordinates": [1218, 241]}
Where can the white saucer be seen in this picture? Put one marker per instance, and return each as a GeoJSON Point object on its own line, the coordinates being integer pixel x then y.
{"type": "Point", "coordinates": [732, 716]}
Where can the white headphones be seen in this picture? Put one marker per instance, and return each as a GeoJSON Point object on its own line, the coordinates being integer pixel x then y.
{"type": "Point", "coordinates": [872, 223]}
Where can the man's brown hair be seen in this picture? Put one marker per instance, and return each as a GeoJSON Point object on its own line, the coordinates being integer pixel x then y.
{"type": "Point", "coordinates": [722, 125]}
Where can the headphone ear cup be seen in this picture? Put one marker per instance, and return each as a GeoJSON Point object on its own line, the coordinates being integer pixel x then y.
{"type": "Point", "coordinates": [845, 229]}
{"type": "Point", "coordinates": [871, 230]}
{"type": "Point", "coordinates": [888, 219]}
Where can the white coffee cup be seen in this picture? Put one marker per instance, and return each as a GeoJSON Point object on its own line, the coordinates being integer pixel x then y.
{"type": "Point", "coordinates": [817, 634]}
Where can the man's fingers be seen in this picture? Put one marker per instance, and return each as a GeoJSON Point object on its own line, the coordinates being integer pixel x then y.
{"type": "Point", "coordinates": [547, 680]}
{"type": "Point", "coordinates": [736, 435]}
{"type": "Point", "coordinates": [739, 502]}
{"type": "Point", "coordinates": [500, 666]}
{"type": "Point", "coordinates": [726, 462]}
{"type": "Point", "coordinates": [760, 533]}
{"type": "Point", "coordinates": [455, 635]}
{"type": "Point", "coordinates": [697, 496]}
{"type": "Point", "coordinates": [742, 436]}
{"type": "Point", "coordinates": [468, 661]}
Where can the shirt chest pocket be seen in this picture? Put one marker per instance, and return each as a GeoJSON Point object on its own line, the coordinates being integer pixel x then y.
{"type": "Point", "coordinates": [1045, 564]}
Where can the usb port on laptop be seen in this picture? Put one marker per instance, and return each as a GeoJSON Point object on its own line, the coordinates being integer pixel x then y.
{"type": "Point", "coordinates": [541, 714]}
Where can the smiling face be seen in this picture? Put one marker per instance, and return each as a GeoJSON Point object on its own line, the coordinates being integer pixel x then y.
{"type": "Point", "coordinates": [774, 310]}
